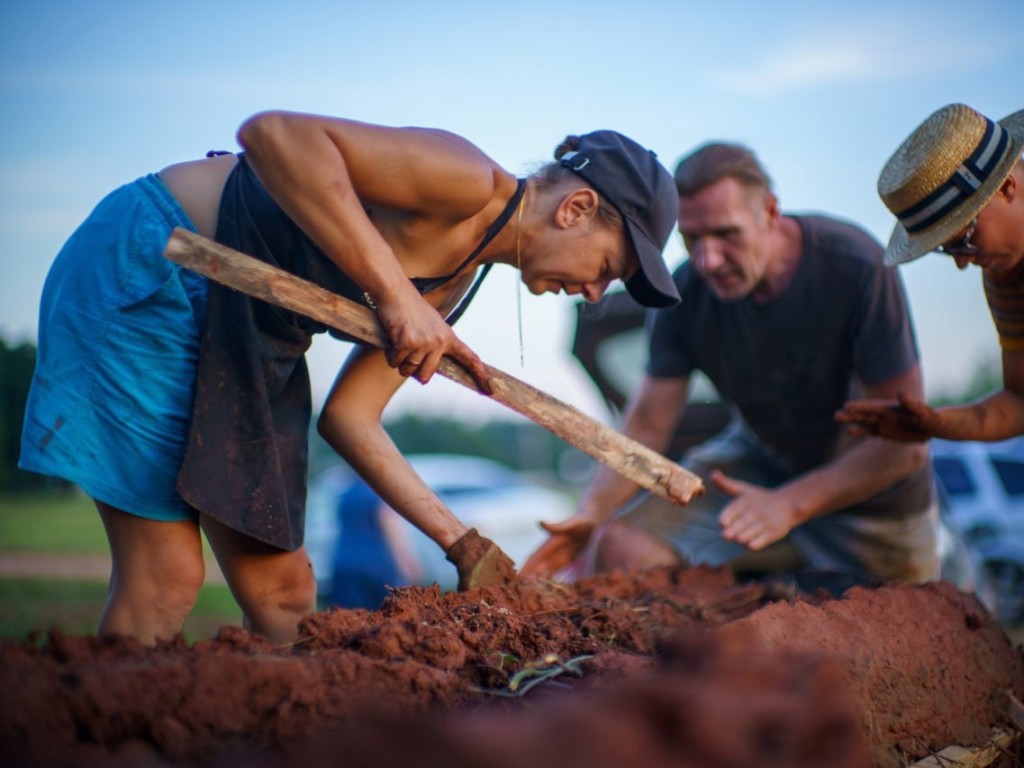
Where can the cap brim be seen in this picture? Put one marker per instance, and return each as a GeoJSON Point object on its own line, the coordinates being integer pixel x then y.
{"type": "Point", "coordinates": [652, 285]}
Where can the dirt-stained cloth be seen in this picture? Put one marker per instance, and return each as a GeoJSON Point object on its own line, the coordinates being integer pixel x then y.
{"type": "Point", "coordinates": [246, 460]}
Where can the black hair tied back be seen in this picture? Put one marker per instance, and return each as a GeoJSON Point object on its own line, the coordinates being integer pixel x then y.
{"type": "Point", "coordinates": [569, 144]}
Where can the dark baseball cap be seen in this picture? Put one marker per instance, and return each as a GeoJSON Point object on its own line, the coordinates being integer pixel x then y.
{"type": "Point", "coordinates": [642, 190]}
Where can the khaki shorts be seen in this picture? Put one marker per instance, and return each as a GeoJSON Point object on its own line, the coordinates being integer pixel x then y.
{"type": "Point", "coordinates": [903, 548]}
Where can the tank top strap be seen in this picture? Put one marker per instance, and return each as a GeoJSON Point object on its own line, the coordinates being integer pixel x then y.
{"type": "Point", "coordinates": [428, 284]}
{"type": "Point", "coordinates": [493, 230]}
{"type": "Point", "coordinates": [506, 214]}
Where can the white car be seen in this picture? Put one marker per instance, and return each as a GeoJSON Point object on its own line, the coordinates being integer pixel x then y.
{"type": "Point", "coordinates": [502, 504]}
{"type": "Point", "coordinates": [983, 489]}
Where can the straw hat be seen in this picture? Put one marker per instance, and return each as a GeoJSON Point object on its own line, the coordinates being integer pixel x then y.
{"type": "Point", "coordinates": [944, 174]}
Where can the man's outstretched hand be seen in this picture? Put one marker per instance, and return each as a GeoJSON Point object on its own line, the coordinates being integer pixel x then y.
{"type": "Point", "coordinates": [905, 419]}
{"type": "Point", "coordinates": [568, 539]}
{"type": "Point", "coordinates": [757, 516]}
{"type": "Point", "coordinates": [480, 562]}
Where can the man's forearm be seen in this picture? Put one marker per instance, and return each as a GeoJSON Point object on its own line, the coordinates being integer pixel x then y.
{"type": "Point", "coordinates": [857, 475]}
{"type": "Point", "coordinates": [609, 491]}
{"type": "Point", "coordinates": [650, 418]}
{"type": "Point", "coordinates": [999, 416]}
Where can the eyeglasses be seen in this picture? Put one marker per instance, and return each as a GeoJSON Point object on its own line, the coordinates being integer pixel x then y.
{"type": "Point", "coordinates": [962, 246]}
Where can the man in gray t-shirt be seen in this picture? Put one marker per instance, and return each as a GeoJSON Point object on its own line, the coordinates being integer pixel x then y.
{"type": "Point", "coordinates": [788, 316]}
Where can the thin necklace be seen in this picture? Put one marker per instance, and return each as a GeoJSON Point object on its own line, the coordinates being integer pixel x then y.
{"type": "Point", "coordinates": [519, 281]}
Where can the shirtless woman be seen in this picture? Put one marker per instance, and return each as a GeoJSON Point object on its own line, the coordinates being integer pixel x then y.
{"type": "Point", "coordinates": [180, 406]}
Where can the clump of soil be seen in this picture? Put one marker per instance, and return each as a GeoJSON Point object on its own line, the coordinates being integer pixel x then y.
{"type": "Point", "coordinates": [667, 667]}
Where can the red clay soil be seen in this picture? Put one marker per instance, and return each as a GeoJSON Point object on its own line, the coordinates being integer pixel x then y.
{"type": "Point", "coordinates": [668, 667]}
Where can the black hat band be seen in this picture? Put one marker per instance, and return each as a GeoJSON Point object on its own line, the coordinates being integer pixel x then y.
{"type": "Point", "coordinates": [964, 182]}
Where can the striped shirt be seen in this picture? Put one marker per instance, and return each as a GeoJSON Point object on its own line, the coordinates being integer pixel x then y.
{"type": "Point", "coordinates": [1005, 295]}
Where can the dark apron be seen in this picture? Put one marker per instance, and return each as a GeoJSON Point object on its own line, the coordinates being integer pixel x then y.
{"type": "Point", "coordinates": [246, 462]}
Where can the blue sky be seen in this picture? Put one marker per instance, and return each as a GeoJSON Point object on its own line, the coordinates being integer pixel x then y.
{"type": "Point", "coordinates": [96, 94]}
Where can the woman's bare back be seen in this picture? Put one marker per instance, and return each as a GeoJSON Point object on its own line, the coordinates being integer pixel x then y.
{"type": "Point", "coordinates": [197, 185]}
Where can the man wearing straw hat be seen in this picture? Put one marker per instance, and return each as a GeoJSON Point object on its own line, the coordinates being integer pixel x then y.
{"type": "Point", "coordinates": [956, 186]}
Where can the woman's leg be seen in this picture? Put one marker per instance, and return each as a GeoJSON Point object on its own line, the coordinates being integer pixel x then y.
{"type": "Point", "coordinates": [274, 587]}
{"type": "Point", "coordinates": [157, 570]}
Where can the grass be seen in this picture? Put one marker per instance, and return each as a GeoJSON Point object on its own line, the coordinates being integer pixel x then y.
{"type": "Point", "coordinates": [63, 523]}
{"type": "Point", "coordinates": [68, 524]}
{"type": "Point", "coordinates": [73, 607]}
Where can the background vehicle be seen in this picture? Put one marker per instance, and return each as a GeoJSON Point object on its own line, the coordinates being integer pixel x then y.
{"type": "Point", "coordinates": [610, 343]}
{"type": "Point", "coordinates": [983, 489]}
{"type": "Point", "coordinates": [501, 503]}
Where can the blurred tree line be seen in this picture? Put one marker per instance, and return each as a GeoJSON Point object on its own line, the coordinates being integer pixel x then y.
{"type": "Point", "coordinates": [16, 365]}
{"type": "Point", "coordinates": [987, 377]}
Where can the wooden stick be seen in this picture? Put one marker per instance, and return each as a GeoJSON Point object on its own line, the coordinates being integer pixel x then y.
{"type": "Point", "coordinates": [1015, 710]}
{"type": "Point", "coordinates": [645, 467]}
{"type": "Point", "coordinates": [1000, 740]}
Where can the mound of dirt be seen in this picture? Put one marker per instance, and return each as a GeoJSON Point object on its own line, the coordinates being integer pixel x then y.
{"type": "Point", "coordinates": [668, 667]}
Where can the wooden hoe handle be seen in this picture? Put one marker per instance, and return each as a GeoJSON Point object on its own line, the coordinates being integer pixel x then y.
{"type": "Point", "coordinates": [645, 467]}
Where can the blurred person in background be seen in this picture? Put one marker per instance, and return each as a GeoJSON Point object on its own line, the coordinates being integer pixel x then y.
{"type": "Point", "coordinates": [373, 551]}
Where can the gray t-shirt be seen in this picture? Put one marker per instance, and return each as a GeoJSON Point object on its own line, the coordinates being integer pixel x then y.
{"type": "Point", "coordinates": [788, 364]}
